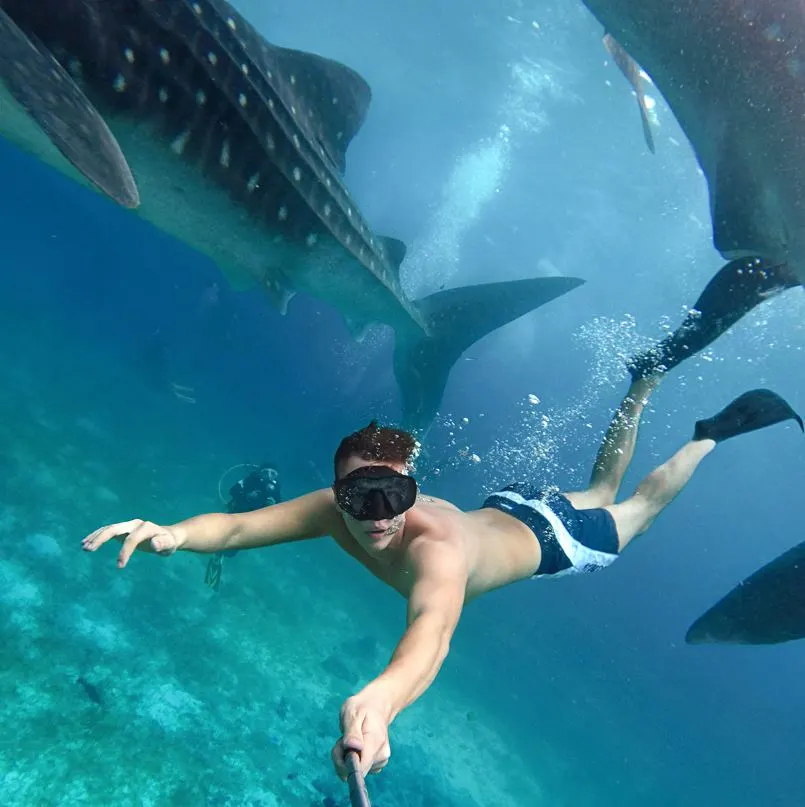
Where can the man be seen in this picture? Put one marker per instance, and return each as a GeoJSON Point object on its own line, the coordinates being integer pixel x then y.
{"type": "Point", "coordinates": [439, 557]}
{"type": "Point", "coordinates": [260, 488]}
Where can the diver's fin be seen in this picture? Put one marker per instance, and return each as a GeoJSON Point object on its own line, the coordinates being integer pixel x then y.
{"type": "Point", "coordinates": [766, 608]}
{"type": "Point", "coordinates": [736, 289]}
{"type": "Point", "coordinates": [212, 577]}
{"type": "Point", "coordinates": [751, 411]}
{"type": "Point", "coordinates": [47, 93]}
{"type": "Point", "coordinates": [631, 70]}
{"type": "Point", "coordinates": [456, 319]}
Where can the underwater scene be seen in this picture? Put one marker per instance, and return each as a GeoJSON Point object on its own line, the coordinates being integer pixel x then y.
{"type": "Point", "coordinates": [327, 331]}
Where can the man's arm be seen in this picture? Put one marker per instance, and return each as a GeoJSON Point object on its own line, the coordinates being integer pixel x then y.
{"type": "Point", "coordinates": [434, 607]}
{"type": "Point", "coordinates": [308, 516]}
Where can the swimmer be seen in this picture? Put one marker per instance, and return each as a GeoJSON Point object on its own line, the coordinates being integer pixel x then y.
{"type": "Point", "coordinates": [261, 488]}
{"type": "Point", "coordinates": [440, 558]}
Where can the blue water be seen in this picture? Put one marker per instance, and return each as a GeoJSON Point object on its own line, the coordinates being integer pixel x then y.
{"type": "Point", "coordinates": [143, 687]}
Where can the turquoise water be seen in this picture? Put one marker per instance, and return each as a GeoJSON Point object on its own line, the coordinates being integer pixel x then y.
{"type": "Point", "coordinates": [144, 687]}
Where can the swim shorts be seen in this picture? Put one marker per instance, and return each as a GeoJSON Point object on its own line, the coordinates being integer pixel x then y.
{"type": "Point", "coordinates": [572, 541]}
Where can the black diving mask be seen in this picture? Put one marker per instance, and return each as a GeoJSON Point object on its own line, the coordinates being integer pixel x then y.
{"type": "Point", "coordinates": [375, 493]}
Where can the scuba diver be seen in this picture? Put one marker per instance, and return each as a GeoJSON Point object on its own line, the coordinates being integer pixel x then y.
{"type": "Point", "coordinates": [260, 488]}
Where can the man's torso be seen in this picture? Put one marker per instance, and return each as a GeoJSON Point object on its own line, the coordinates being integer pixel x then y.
{"type": "Point", "coordinates": [495, 548]}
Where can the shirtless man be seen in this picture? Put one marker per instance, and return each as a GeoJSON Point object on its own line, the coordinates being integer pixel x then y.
{"type": "Point", "coordinates": [440, 558]}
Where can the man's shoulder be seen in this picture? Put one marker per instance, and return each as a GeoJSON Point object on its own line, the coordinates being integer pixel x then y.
{"type": "Point", "coordinates": [434, 503]}
{"type": "Point", "coordinates": [436, 533]}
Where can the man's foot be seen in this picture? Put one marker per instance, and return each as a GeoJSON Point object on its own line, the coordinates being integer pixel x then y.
{"type": "Point", "coordinates": [648, 364]}
{"type": "Point", "coordinates": [751, 411]}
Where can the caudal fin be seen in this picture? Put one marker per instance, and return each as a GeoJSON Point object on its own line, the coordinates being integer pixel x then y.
{"type": "Point", "coordinates": [457, 318]}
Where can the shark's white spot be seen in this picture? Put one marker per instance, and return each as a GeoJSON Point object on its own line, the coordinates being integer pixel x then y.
{"type": "Point", "coordinates": [269, 75]}
{"type": "Point", "coordinates": [231, 23]}
{"type": "Point", "coordinates": [271, 104]}
{"type": "Point", "coordinates": [163, 95]}
{"type": "Point", "coordinates": [253, 183]}
{"type": "Point", "coordinates": [270, 144]}
{"type": "Point", "coordinates": [293, 110]}
{"type": "Point", "coordinates": [164, 55]}
{"type": "Point", "coordinates": [773, 32]}
{"type": "Point", "coordinates": [327, 182]}
{"type": "Point", "coordinates": [201, 97]}
{"type": "Point", "coordinates": [197, 8]}
{"type": "Point", "coordinates": [296, 141]}
{"type": "Point", "coordinates": [348, 239]}
{"type": "Point", "coordinates": [372, 265]}
{"type": "Point", "coordinates": [119, 83]}
{"type": "Point", "coordinates": [243, 100]}
{"type": "Point", "coordinates": [339, 135]}
{"type": "Point", "coordinates": [335, 101]}
{"type": "Point", "coordinates": [282, 213]}
{"type": "Point", "coordinates": [244, 68]}
{"type": "Point", "coordinates": [297, 174]}
{"type": "Point", "coordinates": [311, 239]}
{"type": "Point", "coordinates": [224, 158]}
{"type": "Point", "coordinates": [129, 54]}
{"type": "Point", "coordinates": [212, 58]}
{"type": "Point", "coordinates": [327, 211]}
{"type": "Point", "coordinates": [179, 143]}
{"type": "Point", "coordinates": [293, 79]}
{"type": "Point", "coordinates": [349, 212]}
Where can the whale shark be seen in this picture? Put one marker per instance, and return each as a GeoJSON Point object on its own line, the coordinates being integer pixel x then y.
{"type": "Point", "coordinates": [733, 74]}
{"type": "Point", "coordinates": [766, 608]}
{"type": "Point", "coordinates": [181, 111]}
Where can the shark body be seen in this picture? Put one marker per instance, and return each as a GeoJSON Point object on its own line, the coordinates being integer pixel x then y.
{"type": "Point", "coordinates": [733, 73]}
{"type": "Point", "coordinates": [181, 110]}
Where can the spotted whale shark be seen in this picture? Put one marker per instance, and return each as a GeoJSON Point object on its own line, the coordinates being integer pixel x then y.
{"type": "Point", "coordinates": [183, 112]}
{"type": "Point", "coordinates": [733, 74]}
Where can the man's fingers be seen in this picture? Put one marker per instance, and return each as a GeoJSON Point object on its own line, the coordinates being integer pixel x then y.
{"type": "Point", "coordinates": [104, 534]}
{"type": "Point", "coordinates": [145, 532]}
{"type": "Point", "coordinates": [375, 753]}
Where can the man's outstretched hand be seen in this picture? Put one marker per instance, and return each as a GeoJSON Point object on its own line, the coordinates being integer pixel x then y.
{"type": "Point", "coordinates": [365, 729]}
{"type": "Point", "coordinates": [134, 534]}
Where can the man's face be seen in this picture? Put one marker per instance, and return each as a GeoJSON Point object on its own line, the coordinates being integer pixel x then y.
{"type": "Point", "coordinates": [373, 536]}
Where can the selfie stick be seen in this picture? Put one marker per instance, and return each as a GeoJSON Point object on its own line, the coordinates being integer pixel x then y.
{"type": "Point", "coordinates": [358, 796]}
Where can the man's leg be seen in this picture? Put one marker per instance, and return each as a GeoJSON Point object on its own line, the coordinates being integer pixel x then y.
{"type": "Point", "coordinates": [756, 409]}
{"type": "Point", "coordinates": [634, 516]}
{"type": "Point", "coordinates": [617, 449]}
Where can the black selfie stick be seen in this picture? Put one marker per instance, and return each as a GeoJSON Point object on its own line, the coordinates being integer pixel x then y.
{"type": "Point", "coordinates": [358, 796]}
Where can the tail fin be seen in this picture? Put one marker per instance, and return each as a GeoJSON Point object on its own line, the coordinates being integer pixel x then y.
{"type": "Point", "coordinates": [457, 318]}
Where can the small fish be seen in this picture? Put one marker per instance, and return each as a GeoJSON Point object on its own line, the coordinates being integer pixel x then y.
{"type": "Point", "coordinates": [90, 690]}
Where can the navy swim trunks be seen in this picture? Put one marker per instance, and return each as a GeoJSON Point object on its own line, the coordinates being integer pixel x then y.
{"type": "Point", "coordinates": [572, 541]}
